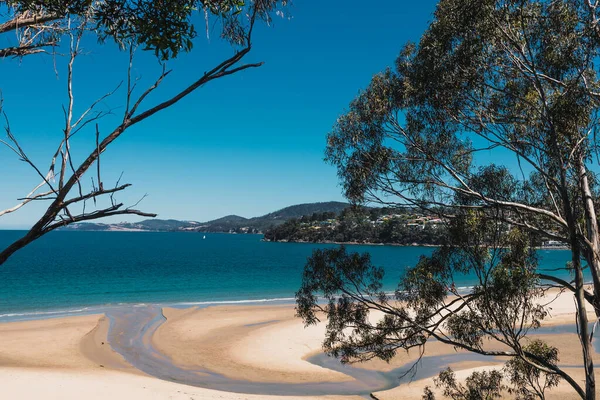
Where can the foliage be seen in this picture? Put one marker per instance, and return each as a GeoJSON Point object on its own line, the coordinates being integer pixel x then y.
{"type": "Point", "coordinates": [511, 79]}
{"type": "Point", "coordinates": [502, 306]}
{"type": "Point", "coordinates": [328, 273]}
{"type": "Point", "coordinates": [529, 382]}
{"type": "Point", "coordinates": [485, 385]}
{"type": "Point", "coordinates": [163, 26]}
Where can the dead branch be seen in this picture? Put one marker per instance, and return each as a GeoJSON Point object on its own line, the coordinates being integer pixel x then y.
{"type": "Point", "coordinates": [58, 213]}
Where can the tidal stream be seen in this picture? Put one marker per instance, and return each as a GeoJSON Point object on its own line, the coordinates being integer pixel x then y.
{"type": "Point", "coordinates": [131, 330]}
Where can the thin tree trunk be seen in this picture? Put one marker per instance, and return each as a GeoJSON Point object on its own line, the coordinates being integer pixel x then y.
{"type": "Point", "coordinates": [593, 235]}
{"type": "Point", "coordinates": [593, 261]}
{"type": "Point", "coordinates": [582, 320]}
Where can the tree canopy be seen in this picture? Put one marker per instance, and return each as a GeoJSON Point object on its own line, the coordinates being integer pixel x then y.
{"type": "Point", "coordinates": [165, 27]}
{"type": "Point", "coordinates": [490, 83]}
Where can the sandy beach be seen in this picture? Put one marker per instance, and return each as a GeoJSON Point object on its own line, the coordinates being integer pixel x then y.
{"type": "Point", "coordinates": [235, 347]}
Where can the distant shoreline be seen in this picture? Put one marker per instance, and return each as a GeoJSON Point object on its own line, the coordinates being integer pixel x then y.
{"type": "Point", "coordinates": [275, 241]}
{"type": "Point", "coordinates": [390, 244]}
{"type": "Point", "coordinates": [352, 243]}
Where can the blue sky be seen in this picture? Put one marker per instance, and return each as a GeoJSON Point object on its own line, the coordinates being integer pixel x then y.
{"type": "Point", "coordinates": [246, 144]}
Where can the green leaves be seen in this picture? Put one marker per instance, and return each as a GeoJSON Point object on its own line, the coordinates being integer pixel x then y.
{"type": "Point", "coordinates": [516, 78]}
{"type": "Point", "coordinates": [343, 287]}
{"type": "Point", "coordinates": [528, 381]}
{"type": "Point", "coordinates": [485, 385]}
{"type": "Point", "coordinates": [166, 27]}
{"type": "Point", "coordinates": [489, 83]}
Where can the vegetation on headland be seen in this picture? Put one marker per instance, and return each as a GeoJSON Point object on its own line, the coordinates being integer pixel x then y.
{"type": "Point", "coordinates": [362, 225]}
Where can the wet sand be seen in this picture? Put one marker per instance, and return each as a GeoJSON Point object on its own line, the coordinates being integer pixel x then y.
{"type": "Point", "coordinates": [225, 352]}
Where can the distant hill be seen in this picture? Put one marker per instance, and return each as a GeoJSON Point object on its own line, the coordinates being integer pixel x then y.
{"type": "Point", "coordinates": [146, 225]}
{"type": "Point", "coordinates": [300, 210]}
{"type": "Point", "coordinates": [229, 219]}
{"type": "Point", "coordinates": [278, 217]}
{"type": "Point", "coordinates": [224, 224]}
{"type": "Point", "coordinates": [229, 223]}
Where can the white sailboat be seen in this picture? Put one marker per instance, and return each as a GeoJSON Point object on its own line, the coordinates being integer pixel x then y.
{"type": "Point", "coordinates": [204, 237]}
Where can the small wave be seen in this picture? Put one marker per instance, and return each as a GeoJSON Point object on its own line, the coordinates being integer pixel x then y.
{"type": "Point", "coordinates": [30, 315]}
{"type": "Point", "coordinates": [248, 301]}
{"type": "Point", "coordinates": [42, 313]}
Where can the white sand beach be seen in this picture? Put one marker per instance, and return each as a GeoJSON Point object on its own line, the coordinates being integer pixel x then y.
{"type": "Point", "coordinates": [70, 358]}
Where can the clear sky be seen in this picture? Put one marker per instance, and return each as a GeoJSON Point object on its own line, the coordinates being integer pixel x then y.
{"type": "Point", "coordinates": [246, 144]}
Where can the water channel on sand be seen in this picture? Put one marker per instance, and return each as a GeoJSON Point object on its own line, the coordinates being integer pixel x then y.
{"type": "Point", "coordinates": [132, 328]}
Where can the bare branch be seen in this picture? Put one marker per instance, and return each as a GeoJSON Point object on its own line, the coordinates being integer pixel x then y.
{"type": "Point", "coordinates": [23, 21]}
{"type": "Point", "coordinates": [53, 218]}
{"type": "Point", "coordinates": [107, 212]}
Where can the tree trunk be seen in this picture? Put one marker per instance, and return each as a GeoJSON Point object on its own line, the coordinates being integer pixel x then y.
{"type": "Point", "coordinates": [593, 261]}
{"type": "Point", "coordinates": [582, 320]}
{"type": "Point", "coordinates": [582, 324]}
{"type": "Point", "coordinates": [591, 223]}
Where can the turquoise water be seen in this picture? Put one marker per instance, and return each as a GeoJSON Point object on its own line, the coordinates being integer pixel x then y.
{"type": "Point", "coordinates": [81, 270]}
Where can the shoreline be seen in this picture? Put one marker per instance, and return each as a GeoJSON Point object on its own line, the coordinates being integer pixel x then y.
{"type": "Point", "coordinates": [388, 244]}
{"type": "Point", "coordinates": [101, 309]}
{"type": "Point", "coordinates": [97, 309]}
{"type": "Point", "coordinates": [277, 241]}
{"type": "Point", "coordinates": [224, 352]}
{"type": "Point", "coordinates": [350, 243]}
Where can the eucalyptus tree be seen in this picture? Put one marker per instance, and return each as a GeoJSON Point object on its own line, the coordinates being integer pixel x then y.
{"type": "Point", "coordinates": [165, 27]}
{"type": "Point", "coordinates": [479, 386]}
{"type": "Point", "coordinates": [490, 83]}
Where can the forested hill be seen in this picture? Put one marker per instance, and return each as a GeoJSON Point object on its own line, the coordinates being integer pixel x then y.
{"type": "Point", "coordinates": [230, 223]}
{"type": "Point", "coordinates": [301, 210]}
{"type": "Point", "coordinates": [362, 225]}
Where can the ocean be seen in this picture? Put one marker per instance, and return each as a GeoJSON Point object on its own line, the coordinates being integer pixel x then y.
{"type": "Point", "coordinates": [77, 272]}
